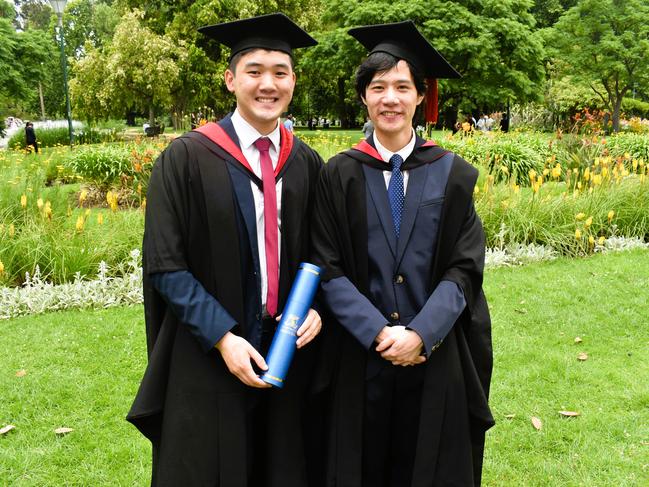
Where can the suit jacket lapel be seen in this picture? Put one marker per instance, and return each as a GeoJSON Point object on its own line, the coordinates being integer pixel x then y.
{"type": "Point", "coordinates": [379, 195]}
{"type": "Point", "coordinates": [416, 181]}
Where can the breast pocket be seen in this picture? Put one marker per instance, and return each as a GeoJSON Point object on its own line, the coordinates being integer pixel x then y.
{"type": "Point", "coordinates": [431, 202]}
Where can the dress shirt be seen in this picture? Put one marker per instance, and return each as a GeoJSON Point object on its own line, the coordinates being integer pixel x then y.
{"type": "Point", "coordinates": [247, 136]}
{"type": "Point", "coordinates": [387, 154]}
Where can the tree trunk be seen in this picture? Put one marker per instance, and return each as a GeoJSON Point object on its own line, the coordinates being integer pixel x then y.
{"type": "Point", "coordinates": [151, 115]}
{"type": "Point", "coordinates": [616, 114]}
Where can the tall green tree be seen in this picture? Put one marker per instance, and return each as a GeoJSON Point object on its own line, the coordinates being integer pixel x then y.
{"type": "Point", "coordinates": [139, 69]}
{"type": "Point", "coordinates": [605, 43]}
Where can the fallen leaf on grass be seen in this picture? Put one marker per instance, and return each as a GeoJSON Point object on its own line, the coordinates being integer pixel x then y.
{"type": "Point", "coordinates": [510, 416]}
{"type": "Point", "coordinates": [537, 423]}
{"type": "Point", "coordinates": [63, 431]}
{"type": "Point", "coordinates": [582, 356]}
{"type": "Point", "coordinates": [569, 414]}
{"type": "Point", "coordinates": [21, 373]}
{"type": "Point", "coordinates": [578, 340]}
{"type": "Point", "coordinates": [6, 429]}
{"type": "Point", "coordinates": [522, 311]}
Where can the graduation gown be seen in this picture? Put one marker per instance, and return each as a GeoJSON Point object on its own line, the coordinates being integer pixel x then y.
{"type": "Point", "coordinates": [458, 373]}
{"type": "Point", "coordinates": [194, 411]}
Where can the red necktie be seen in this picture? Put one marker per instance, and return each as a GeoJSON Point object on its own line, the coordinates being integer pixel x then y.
{"type": "Point", "coordinates": [270, 223]}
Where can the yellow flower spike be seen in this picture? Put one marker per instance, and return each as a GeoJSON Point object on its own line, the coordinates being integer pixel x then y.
{"type": "Point", "coordinates": [611, 214]}
{"type": "Point", "coordinates": [48, 210]}
{"type": "Point", "coordinates": [476, 190]}
{"type": "Point", "coordinates": [590, 190]}
{"type": "Point", "coordinates": [596, 163]}
{"type": "Point", "coordinates": [588, 222]}
{"type": "Point", "coordinates": [556, 171]}
{"type": "Point", "coordinates": [39, 203]}
{"type": "Point", "coordinates": [546, 171]}
{"type": "Point", "coordinates": [2, 268]}
{"type": "Point", "coordinates": [100, 219]}
{"type": "Point", "coordinates": [591, 241]}
{"type": "Point", "coordinates": [532, 175]}
{"type": "Point", "coordinates": [601, 239]}
{"type": "Point", "coordinates": [87, 213]}
{"type": "Point", "coordinates": [82, 196]}
{"type": "Point", "coordinates": [23, 201]}
{"type": "Point", "coordinates": [604, 172]}
{"type": "Point", "coordinates": [580, 216]}
{"type": "Point", "coordinates": [579, 185]}
{"type": "Point", "coordinates": [143, 205]}
{"type": "Point", "coordinates": [79, 224]}
{"type": "Point", "coordinates": [577, 234]}
{"type": "Point", "coordinates": [12, 230]}
{"type": "Point", "coordinates": [627, 156]}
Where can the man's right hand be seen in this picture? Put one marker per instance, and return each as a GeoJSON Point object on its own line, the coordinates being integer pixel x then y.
{"type": "Point", "coordinates": [237, 354]}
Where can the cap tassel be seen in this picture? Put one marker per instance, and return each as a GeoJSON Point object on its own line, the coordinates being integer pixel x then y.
{"type": "Point", "coordinates": [431, 101]}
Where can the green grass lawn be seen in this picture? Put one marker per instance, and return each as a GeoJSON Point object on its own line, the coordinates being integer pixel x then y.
{"type": "Point", "coordinates": [83, 367]}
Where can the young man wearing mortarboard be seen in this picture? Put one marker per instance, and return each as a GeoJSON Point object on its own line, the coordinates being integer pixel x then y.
{"type": "Point", "coordinates": [403, 250]}
{"type": "Point", "coordinates": [228, 208]}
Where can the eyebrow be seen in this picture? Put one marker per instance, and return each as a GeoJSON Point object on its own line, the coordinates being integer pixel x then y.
{"type": "Point", "coordinates": [398, 81]}
{"type": "Point", "coordinates": [253, 64]}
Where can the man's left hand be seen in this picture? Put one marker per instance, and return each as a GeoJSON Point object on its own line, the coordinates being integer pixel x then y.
{"type": "Point", "coordinates": [309, 329]}
{"type": "Point", "coordinates": [402, 347]}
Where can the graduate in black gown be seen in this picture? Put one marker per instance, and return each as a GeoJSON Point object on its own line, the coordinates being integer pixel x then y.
{"type": "Point", "coordinates": [409, 352]}
{"type": "Point", "coordinates": [227, 224]}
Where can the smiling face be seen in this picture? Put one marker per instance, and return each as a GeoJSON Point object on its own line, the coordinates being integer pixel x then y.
{"type": "Point", "coordinates": [263, 84]}
{"type": "Point", "coordinates": [391, 99]}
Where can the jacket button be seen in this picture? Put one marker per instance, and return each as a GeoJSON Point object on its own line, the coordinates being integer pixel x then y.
{"type": "Point", "coordinates": [394, 316]}
{"type": "Point", "coordinates": [399, 279]}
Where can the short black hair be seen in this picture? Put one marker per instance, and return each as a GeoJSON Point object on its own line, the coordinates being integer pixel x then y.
{"type": "Point", "coordinates": [379, 62]}
{"type": "Point", "coordinates": [237, 57]}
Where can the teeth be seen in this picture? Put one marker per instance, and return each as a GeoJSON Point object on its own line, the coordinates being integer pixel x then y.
{"type": "Point", "coordinates": [390, 114]}
{"type": "Point", "coordinates": [266, 100]}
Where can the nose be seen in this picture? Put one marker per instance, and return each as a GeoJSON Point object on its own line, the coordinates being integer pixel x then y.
{"type": "Point", "coordinates": [267, 82]}
{"type": "Point", "coordinates": [390, 96]}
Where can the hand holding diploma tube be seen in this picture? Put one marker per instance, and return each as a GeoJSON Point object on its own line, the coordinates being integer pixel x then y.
{"type": "Point", "coordinates": [295, 312]}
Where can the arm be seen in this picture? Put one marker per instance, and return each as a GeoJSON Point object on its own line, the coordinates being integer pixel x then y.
{"type": "Point", "coordinates": [207, 320]}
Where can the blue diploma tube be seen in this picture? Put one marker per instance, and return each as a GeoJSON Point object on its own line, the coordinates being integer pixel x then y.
{"type": "Point", "coordinates": [297, 307]}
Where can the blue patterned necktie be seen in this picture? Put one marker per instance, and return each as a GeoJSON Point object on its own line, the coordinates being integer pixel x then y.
{"type": "Point", "coordinates": [395, 191]}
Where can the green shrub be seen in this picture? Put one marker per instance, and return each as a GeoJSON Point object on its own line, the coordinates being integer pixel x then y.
{"type": "Point", "coordinates": [45, 137]}
{"type": "Point", "coordinates": [505, 156]}
{"type": "Point", "coordinates": [101, 165]}
{"type": "Point", "coordinates": [638, 108]}
{"type": "Point", "coordinates": [635, 145]}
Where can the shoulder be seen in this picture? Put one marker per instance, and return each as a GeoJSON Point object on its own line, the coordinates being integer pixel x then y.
{"type": "Point", "coordinates": [340, 161]}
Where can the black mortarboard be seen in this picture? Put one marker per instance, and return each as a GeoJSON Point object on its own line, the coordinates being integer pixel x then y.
{"type": "Point", "coordinates": [404, 41]}
{"type": "Point", "coordinates": [275, 32]}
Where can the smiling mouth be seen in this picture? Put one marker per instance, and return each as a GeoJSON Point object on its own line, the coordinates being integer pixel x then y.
{"type": "Point", "coordinates": [262, 99]}
{"type": "Point", "coordinates": [390, 114]}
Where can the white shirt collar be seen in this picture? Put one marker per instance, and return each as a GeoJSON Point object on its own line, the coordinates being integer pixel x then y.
{"type": "Point", "coordinates": [403, 152]}
{"type": "Point", "coordinates": [248, 134]}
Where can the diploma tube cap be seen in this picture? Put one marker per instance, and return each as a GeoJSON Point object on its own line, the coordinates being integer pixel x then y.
{"type": "Point", "coordinates": [273, 32]}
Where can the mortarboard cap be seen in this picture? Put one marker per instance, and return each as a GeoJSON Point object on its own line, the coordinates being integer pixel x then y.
{"type": "Point", "coordinates": [404, 41]}
{"type": "Point", "coordinates": [275, 32]}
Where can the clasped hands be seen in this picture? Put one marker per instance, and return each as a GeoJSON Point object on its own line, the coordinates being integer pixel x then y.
{"type": "Point", "coordinates": [238, 354]}
{"type": "Point", "coordinates": [400, 345]}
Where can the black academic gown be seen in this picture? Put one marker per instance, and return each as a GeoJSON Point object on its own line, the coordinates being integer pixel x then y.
{"type": "Point", "coordinates": [197, 414]}
{"type": "Point", "coordinates": [458, 373]}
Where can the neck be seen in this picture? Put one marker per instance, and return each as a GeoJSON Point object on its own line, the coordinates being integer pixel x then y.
{"type": "Point", "coordinates": [264, 128]}
{"type": "Point", "coordinates": [394, 142]}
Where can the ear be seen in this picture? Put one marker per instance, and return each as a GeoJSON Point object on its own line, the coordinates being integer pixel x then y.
{"type": "Point", "coordinates": [229, 80]}
{"type": "Point", "coordinates": [420, 98]}
{"type": "Point", "coordinates": [363, 100]}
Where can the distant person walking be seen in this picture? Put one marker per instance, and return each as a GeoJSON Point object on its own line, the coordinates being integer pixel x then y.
{"type": "Point", "coordinates": [288, 123]}
{"type": "Point", "coordinates": [30, 138]}
{"type": "Point", "coordinates": [368, 128]}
